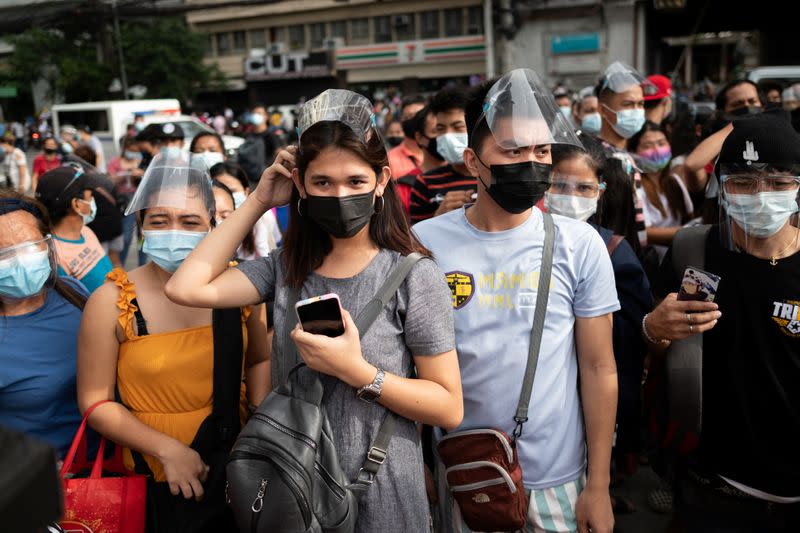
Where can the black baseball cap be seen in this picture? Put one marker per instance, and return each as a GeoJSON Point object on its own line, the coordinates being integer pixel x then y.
{"type": "Point", "coordinates": [169, 131]}
{"type": "Point", "coordinates": [763, 142]}
{"type": "Point", "coordinates": [59, 186]}
{"type": "Point", "coordinates": [148, 134]}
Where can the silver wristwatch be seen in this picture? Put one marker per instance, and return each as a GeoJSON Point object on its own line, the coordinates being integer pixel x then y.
{"type": "Point", "coordinates": [370, 393]}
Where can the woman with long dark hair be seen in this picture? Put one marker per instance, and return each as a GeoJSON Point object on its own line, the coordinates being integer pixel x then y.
{"type": "Point", "coordinates": [346, 234]}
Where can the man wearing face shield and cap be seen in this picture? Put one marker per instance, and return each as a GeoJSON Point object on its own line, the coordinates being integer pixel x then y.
{"type": "Point", "coordinates": [494, 253]}
{"type": "Point", "coordinates": [744, 474]}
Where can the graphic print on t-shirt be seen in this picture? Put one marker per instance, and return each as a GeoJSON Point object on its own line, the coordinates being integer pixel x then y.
{"type": "Point", "coordinates": [462, 287]}
{"type": "Point", "coordinates": [784, 313]}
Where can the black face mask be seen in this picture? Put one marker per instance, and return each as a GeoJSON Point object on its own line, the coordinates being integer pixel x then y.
{"type": "Point", "coordinates": [743, 111]}
{"type": "Point", "coordinates": [50, 151]}
{"type": "Point", "coordinates": [431, 149]}
{"type": "Point", "coordinates": [409, 127]}
{"type": "Point", "coordinates": [394, 141]}
{"type": "Point", "coordinates": [341, 217]}
{"type": "Point", "coordinates": [518, 186]}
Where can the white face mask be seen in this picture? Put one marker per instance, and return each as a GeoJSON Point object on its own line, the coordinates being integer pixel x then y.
{"type": "Point", "coordinates": [762, 214]}
{"type": "Point", "coordinates": [451, 146]}
{"type": "Point", "coordinates": [238, 199]}
{"type": "Point", "coordinates": [577, 207]}
{"type": "Point", "coordinates": [210, 158]}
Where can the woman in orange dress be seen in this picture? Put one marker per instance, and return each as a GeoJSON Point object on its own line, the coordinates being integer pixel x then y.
{"type": "Point", "coordinates": [159, 356]}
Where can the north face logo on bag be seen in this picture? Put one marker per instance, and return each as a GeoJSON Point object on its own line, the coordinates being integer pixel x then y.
{"type": "Point", "coordinates": [481, 498]}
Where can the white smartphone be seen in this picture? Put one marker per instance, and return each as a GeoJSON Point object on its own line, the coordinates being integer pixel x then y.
{"type": "Point", "coordinates": [321, 315]}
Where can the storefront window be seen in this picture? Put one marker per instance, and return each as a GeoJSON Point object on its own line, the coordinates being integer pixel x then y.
{"type": "Point", "coordinates": [339, 29]}
{"type": "Point", "coordinates": [239, 43]}
{"type": "Point", "coordinates": [223, 44]}
{"type": "Point", "coordinates": [383, 29]}
{"type": "Point", "coordinates": [405, 27]}
{"type": "Point", "coordinates": [429, 24]}
{"type": "Point", "coordinates": [297, 37]}
{"type": "Point", "coordinates": [257, 39]}
{"type": "Point", "coordinates": [475, 20]}
{"type": "Point", "coordinates": [317, 31]}
{"type": "Point", "coordinates": [209, 44]}
{"type": "Point", "coordinates": [277, 35]}
{"type": "Point", "coordinates": [359, 30]}
{"type": "Point", "coordinates": [453, 22]}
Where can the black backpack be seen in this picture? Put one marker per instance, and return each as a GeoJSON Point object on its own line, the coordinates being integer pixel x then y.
{"type": "Point", "coordinates": [283, 473]}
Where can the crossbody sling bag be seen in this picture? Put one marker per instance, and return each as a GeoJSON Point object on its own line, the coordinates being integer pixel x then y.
{"type": "Point", "coordinates": [482, 467]}
{"type": "Point", "coordinates": [284, 474]}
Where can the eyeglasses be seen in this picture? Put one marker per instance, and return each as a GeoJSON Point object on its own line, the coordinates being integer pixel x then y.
{"type": "Point", "coordinates": [585, 189]}
{"type": "Point", "coordinates": [744, 184]}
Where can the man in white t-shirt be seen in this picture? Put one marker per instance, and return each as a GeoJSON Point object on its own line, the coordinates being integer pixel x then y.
{"type": "Point", "coordinates": [491, 252]}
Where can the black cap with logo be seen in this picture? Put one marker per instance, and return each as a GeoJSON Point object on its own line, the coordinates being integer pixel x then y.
{"type": "Point", "coordinates": [761, 143]}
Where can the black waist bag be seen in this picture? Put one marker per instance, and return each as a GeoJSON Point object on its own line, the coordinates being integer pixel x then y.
{"type": "Point", "coordinates": [284, 474]}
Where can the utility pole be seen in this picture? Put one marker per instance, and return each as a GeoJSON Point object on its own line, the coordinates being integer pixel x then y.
{"type": "Point", "coordinates": [118, 38]}
{"type": "Point", "coordinates": [488, 32]}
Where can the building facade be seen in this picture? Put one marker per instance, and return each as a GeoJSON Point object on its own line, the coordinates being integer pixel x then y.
{"type": "Point", "coordinates": [282, 52]}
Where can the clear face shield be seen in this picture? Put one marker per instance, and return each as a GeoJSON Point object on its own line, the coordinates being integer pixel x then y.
{"type": "Point", "coordinates": [757, 205]}
{"type": "Point", "coordinates": [521, 113]}
{"type": "Point", "coordinates": [338, 105]}
{"type": "Point", "coordinates": [27, 268]}
{"type": "Point", "coordinates": [619, 77]}
{"type": "Point", "coordinates": [180, 183]}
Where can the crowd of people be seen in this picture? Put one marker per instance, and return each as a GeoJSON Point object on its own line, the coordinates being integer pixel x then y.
{"type": "Point", "coordinates": [549, 338]}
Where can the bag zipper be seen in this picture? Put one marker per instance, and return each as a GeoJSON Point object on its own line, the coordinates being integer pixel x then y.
{"type": "Point", "coordinates": [478, 485]}
{"type": "Point", "coordinates": [329, 481]}
{"type": "Point", "coordinates": [258, 504]}
{"type": "Point", "coordinates": [305, 506]}
{"type": "Point", "coordinates": [288, 431]}
{"type": "Point", "coordinates": [500, 436]}
{"type": "Point", "coordinates": [485, 464]}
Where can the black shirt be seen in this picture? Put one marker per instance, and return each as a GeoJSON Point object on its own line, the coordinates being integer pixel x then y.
{"type": "Point", "coordinates": [751, 370]}
{"type": "Point", "coordinates": [431, 187]}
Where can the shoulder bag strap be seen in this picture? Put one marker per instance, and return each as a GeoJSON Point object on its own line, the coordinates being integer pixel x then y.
{"type": "Point", "coordinates": [228, 343]}
{"type": "Point", "coordinates": [542, 295]}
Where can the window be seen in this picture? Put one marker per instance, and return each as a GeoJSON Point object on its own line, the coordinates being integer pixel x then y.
{"type": "Point", "coordinates": [359, 29]}
{"type": "Point", "coordinates": [429, 24]}
{"type": "Point", "coordinates": [453, 22]}
{"type": "Point", "coordinates": [239, 44]}
{"type": "Point", "coordinates": [95, 119]}
{"type": "Point", "coordinates": [339, 29]}
{"type": "Point", "coordinates": [257, 39]}
{"type": "Point", "coordinates": [209, 44]}
{"type": "Point", "coordinates": [405, 27]}
{"type": "Point", "coordinates": [475, 20]}
{"type": "Point", "coordinates": [317, 31]}
{"type": "Point", "coordinates": [223, 44]}
{"type": "Point", "coordinates": [277, 35]}
{"type": "Point", "coordinates": [383, 29]}
{"type": "Point", "coordinates": [297, 37]}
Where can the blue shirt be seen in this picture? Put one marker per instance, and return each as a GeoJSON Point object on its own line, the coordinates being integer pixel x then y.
{"type": "Point", "coordinates": [38, 354]}
{"type": "Point", "coordinates": [493, 278]}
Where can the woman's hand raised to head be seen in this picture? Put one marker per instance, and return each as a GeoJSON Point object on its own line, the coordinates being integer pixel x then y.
{"type": "Point", "coordinates": [275, 186]}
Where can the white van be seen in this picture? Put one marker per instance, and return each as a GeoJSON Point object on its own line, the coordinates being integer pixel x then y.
{"type": "Point", "coordinates": [191, 126]}
{"type": "Point", "coordinates": [785, 75]}
{"type": "Point", "coordinates": [110, 120]}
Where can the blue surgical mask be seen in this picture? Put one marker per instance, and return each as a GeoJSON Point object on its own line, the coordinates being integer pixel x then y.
{"type": "Point", "coordinates": [591, 123]}
{"type": "Point", "coordinates": [257, 119]}
{"type": "Point", "coordinates": [24, 275]}
{"type": "Point", "coordinates": [88, 219]}
{"type": "Point", "coordinates": [168, 248]}
{"type": "Point", "coordinates": [210, 158]}
{"type": "Point", "coordinates": [451, 146]}
{"type": "Point", "coordinates": [629, 121]}
{"type": "Point", "coordinates": [238, 199]}
{"type": "Point", "coordinates": [762, 214]}
{"type": "Point", "coordinates": [171, 152]}
{"type": "Point", "coordinates": [130, 156]}
{"type": "Point", "coordinates": [567, 112]}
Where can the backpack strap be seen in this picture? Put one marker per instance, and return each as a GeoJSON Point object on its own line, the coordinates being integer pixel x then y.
{"type": "Point", "coordinates": [228, 343]}
{"type": "Point", "coordinates": [378, 450]}
{"type": "Point", "coordinates": [542, 295]}
{"type": "Point", "coordinates": [613, 243]}
{"type": "Point", "coordinates": [684, 358]}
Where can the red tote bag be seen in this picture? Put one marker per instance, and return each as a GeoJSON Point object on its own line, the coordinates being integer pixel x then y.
{"type": "Point", "coordinates": [110, 500]}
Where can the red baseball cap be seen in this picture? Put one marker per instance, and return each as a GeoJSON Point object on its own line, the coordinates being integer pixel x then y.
{"type": "Point", "coordinates": [661, 87]}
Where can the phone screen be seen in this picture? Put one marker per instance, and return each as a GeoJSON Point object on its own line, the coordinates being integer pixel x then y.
{"type": "Point", "coordinates": [698, 285]}
{"type": "Point", "coordinates": [322, 317]}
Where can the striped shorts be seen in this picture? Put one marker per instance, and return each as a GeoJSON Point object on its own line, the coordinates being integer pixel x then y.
{"type": "Point", "coordinates": [549, 510]}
